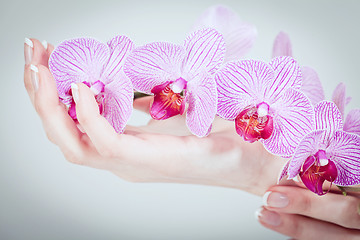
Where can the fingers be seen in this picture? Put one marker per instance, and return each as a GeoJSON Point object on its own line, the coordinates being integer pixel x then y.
{"type": "Point", "coordinates": [335, 208]}
{"type": "Point", "coordinates": [106, 141]}
{"type": "Point", "coordinates": [34, 54]}
{"type": "Point", "coordinates": [301, 227]}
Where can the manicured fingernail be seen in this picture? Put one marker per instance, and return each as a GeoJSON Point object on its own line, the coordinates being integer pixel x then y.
{"type": "Point", "coordinates": [268, 217]}
{"type": "Point", "coordinates": [75, 92]}
{"type": "Point", "coordinates": [28, 50]}
{"type": "Point", "coordinates": [34, 77]}
{"type": "Point", "coordinates": [275, 199]}
{"type": "Point", "coordinates": [45, 44]}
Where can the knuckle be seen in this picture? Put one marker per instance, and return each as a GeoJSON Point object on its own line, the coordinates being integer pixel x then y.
{"type": "Point", "coordinates": [106, 152]}
{"type": "Point", "coordinates": [74, 157]}
{"type": "Point", "coordinates": [349, 212]}
{"type": "Point", "coordinates": [297, 227]}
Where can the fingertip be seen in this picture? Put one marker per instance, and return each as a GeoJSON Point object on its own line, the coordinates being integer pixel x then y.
{"type": "Point", "coordinates": [143, 103]}
{"type": "Point", "coordinates": [40, 55]}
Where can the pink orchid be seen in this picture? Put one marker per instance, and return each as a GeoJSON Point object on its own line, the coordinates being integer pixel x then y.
{"type": "Point", "coordinates": [265, 102]}
{"type": "Point", "coordinates": [311, 84]}
{"type": "Point", "coordinates": [239, 36]}
{"type": "Point", "coordinates": [177, 75]}
{"type": "Point", "coordinates": [99, 66]}
{"type": "Point", "coordinates": [327, 153]}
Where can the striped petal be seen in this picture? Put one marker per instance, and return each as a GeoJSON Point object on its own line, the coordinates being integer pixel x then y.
{"type": "Point", "coordinates": [282, 45]}
{"type": "Point", "coordinates": [202, 98]}
{"type": "Point", "coordinates": [154, 64]}
{"type": "Point", "coordinates": [352, 122]}
{"type": "Point", "coordinates": [239, 36]}
{"type": "Point", "coordinates": [120, 48]}
{"type": "Point", "coordinates": [339, 97]}
{"type": "Point", "coordinates": [345, 152]}
{"type": "Point", "coordinates": [241, 84]}
{"type": "Point", "coordinates": [205, 50]}
{"type": "Point", "coordinates": [311, 85]}
{"type": "Point", "coordinates": [293, 118]}
{"type": "Point", "coordinates": [118, 99]}
{"type": "Point", "coordinates": [77, 60]}
{"type": "Point", "coordinates": [307, 147]}
{"type": "Point", "coordinates": [328, 118]}
{"type": "Point", "coordinates": [287, 75]}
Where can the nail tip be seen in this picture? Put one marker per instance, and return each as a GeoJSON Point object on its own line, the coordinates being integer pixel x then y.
{"type": "Point", "coordinates": [45, 44]}
{"type": "Point", "coordinates": [265, 198]}
{"type": "Point", "coordinates": [74, 85]}
{"type": "Point", "coordinates": [257, 214]}
{"type": "Point", "coordinates": [28, 42]}
{"type": "Point", "coordinates": [34, 68]}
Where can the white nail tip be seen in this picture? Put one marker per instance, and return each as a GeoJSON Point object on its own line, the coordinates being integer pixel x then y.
{"type": "Point", "coordinates": [265, 198]}
{"type": "Point", "coordinates": [45, 44]}
{"type": "Point", "coordinates": [257, 214]}
{"type": "Point", "coordinates": [74, 86]}
{"type": "Point", "coordinates": [29, 42]}
{"type": "Point", "coordinates": [34, 68]}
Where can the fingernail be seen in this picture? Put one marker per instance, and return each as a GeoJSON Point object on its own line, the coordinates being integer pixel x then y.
{"type": "Point", "coordinates": [275, 199]}
{"type": "Point", "coordinates": [268, 217]}
{"type": "Point", "coordinates": [34, 77]}
{"type": "Point", "coordinates": [28, 50]}
{"type": "Point", "coordinates": [45, 44]}
{"type": "Point", "coordinates": [75, 92]}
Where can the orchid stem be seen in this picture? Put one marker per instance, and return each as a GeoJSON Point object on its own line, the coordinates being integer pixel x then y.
{"type": "Point", "coordinates": [140, 95]}
{"type": "Point", "coordinates": [344, 190]}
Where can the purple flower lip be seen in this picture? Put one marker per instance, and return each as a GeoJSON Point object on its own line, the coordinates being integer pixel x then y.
{"type": "Point", "coordinates": [254, 123]}
{"type": "Point", "coordinates": [316, 170]}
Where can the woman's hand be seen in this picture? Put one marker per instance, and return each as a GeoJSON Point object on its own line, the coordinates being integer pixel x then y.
{"type": "Point", "coordinates": [162, 151]}
{"type": "Point", "coordinates": [301, 214]}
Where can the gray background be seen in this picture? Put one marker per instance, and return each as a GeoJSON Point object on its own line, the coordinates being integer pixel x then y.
{"type": "Point", "coordinates": [45, 197]}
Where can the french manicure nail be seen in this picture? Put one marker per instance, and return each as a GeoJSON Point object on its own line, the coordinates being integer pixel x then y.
{"type": "Point", "coordinates": [275, 199]}
{"type": "Point", "coordinates": [45, 44]}
{"type": "Point", "coordinates": [34, 77]}
{"type": "Point", "coordinates": [75, 92]}
{"type": "Point", "coordinates": [28, 50]}
{"type": "Point", "coordinates": [268, 217]}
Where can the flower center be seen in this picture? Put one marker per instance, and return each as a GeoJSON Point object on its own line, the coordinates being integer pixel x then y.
{"type": "Point", "coordinates": [254, 123]}
{"type": "Point", "coordinates": [98, 89]}
{"type": "Point", "coordinates": [168, 99]}
{"type": "Point", "coordinates": [315, 170]}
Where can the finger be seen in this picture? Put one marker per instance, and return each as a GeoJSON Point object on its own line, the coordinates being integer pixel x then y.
{"type": "Point", "coordinates": [58, 125]}
{"type": "Point", "coordinates": [301, 227]}
{"type": "Point", "coordinates": [335, 208]}
{"type": "Point", "coordinates": [143, 104]}
{"type": "Point", "coordinates": [106, 141]}
{"type": "Point", "coordinates": [35, 54]}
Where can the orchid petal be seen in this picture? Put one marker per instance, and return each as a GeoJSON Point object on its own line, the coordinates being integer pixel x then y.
{"type": "Point", "coordinates": [154, 64]}
{"type": "Point", "coordinates": [339, 97]}
{"type": "Point", "coordinates": [287, 74]}
{"type": "Point", "coordinates": [328, 118]}
{"type": "Point", "coordinates": [118, 99]}
{"type": "Point", "coordinates": [240, 84]}
{"type": "Point", "coordinates": [77, 60]}
{"type": "Point", "coordinates": [344, 150]}
{"type": "Point", "coordinates": [311, 85]}
{"type": "Point", "coordinates": [293, 119]}
{"type": "Point", "coordinates": [205, 51]}
{"type": "Point", "coordinates": [202, 98]}
{"type": "Point", "coordinates": [352, 122]}
{"type": "Point", "coordinates": [307, 147]}
{"type": "Point", "coordinates": [120, 48]}
{"type": "Point", "coordinates": [282, 45]}
{"type": "Point", "coordinates": [239, 36]}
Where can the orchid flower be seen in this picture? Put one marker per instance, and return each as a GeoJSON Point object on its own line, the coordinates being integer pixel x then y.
{"type": "Point", "coordinates": [177, 75]}
{"type": "Point", "coordinates": [327, 153]}
{"type": "Point", "coordinates": [99, 66]}
{"type": "Point", "coordinates": [239, 36]}
{"type": "Point", "coordinates": [265, 102]}
{"type": "Point", "coordinates": [311, 84]}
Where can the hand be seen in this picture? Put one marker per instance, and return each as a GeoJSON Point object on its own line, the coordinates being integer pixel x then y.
{"type": "Point", "coordinates": [301, 214]}
{"type": "Point", "coordinates": [162, 151]}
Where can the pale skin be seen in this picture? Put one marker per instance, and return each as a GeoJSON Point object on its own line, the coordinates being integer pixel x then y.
{"type": "Point", "coordinates": [165, 151]}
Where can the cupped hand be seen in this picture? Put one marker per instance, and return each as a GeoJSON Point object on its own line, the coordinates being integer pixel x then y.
{"type": "Point", "coordinates": [299, 213]}
{"type": "Point", "coordinates": [161, 151]}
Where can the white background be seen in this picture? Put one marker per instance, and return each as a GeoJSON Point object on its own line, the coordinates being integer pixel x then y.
{"type": "Point", "coordinates": [42, 196]}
